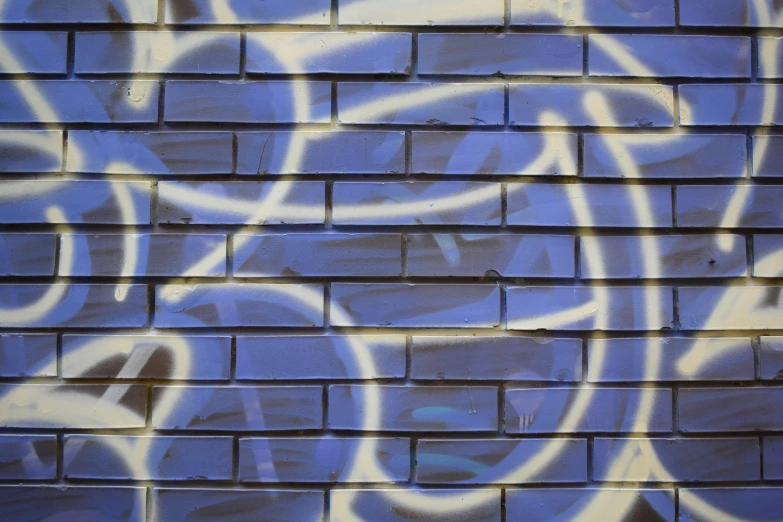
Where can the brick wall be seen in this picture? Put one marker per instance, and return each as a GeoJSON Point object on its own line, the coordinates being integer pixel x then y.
{"type": "Point", "coordinates": [391, 260]}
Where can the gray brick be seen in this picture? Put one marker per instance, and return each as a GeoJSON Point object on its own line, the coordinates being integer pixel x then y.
{"type": "Point", "coordinates": [495, 461]}
{"type": "Point", "coordinates": [661, 156]}
{"type": "Point", "coordinates": [413, 12]}
{"type": "Point", "coordinates": [632, 105]}
{"type": "Point", "coordinates": [609, 13]}
{"type": "Point", "coordinates": [27, 254]}
{"type": "Point", "coordinates": [767, 252]}
{"type": "Point", "coordinates": [421, 103]}
{"type": "Point", "coordinates": [589, 308]}
{"type": "Point", "coordinates": [35, 51]}
{"type": "Point", "coordinates": [39, 503]}
{"type": "Point", "coordinates": [175, 255]}
{"type": "Point", "coordinates": [773, 458]}
{"type": "Point", "coordinates": [703, 504]}
{"type": "Point", "coordinates": [394, 505]}
{"type": "Point", "coordinates": [241, 202]}
{"type": "Point", "coordinates": [670, 56]}
{"type": "Point", "coordinates": [768, 156]}
{"type": "Point", "coordinates": [320, 357]}
{"type": "Point", "coordinates": [31, 150]}
{"type": "Point", "coordinates": [731, 308]}
{"type": "Point", "coordinates": [730, 13]}
{"type": "Point", "coordinates": [647, 359]}
{"type": "Point", "coordinates": [28, 355]}
{"type": "Point", "coordinates": [414, 408]}
{"type": "Point", "coordinates": [51, 406]}
{"type": "Point", "coordinates": [237, 408]}
{"type": "Point", "coordinates": [307, 12]}
{"type": "Point", "coordinates": [157, 357]}
{"type": "Point", "coordinates": [541, 410]}
{"type": "Point", "coordinates": [415, 306]}
{"type": "Point", "coordinates": [73, 305]}
{"type": "Point", "coordinates": [165, 458]}
{"type": "Point", "coordinates": [317, 255]}
{"type": "Point", "coordinates": [110, 152]}
{"type": "Point", "coordinates": [730, 104]}
{"type": "Point", "coordinates": [730, 409]}
{"type": "Point", "coordinates": [507, 54]}
{"type": "Point", "coordinates": [562, 205]}
{"type": "Point", "coordinates": [716, 206]}
{"type": "Point", "coordinates": [676, 460]}
{"type": "Point", "coordinates": [247, 102]}
{"type": "Point", "coordinates": [340, 53]}
{"type": "Point", "coordinates": [327, 460]}
{"type": "Point", "coordinates": [770, 62]}
{"type": "Point", "coordinates": [78, 101]}
{"type": "Point", "coordinates": [74, 201]}
{"type": "Point", "coordinates": [80, 12]}
{"type": "Point", "coordinates": [241, 304]}
{"type": "Point", "coordinates": [496, 358]}
{"type": "Point", "coordinates": [478, 255]}
{"type": "Point", "coordinates": [618, 257]}
{"type": "Point", "coordinates": [491, 153]}
{"type": "Point", "coordinates": [562, 505]}
{"type": "Point", "coordinates": [28, 457]}
{"type": "Point", "coordinates": [771, 358]}
{"type": "Point", "coordinates": [322, 152]}
{"type": "Point", "coordinates": [417, 203]}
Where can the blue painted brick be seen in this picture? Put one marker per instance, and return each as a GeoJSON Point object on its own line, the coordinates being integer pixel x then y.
{"type": "Point", "coordinates": [38, 503]}
{"type": "Point", "coordinates": [413, 12]}
{"type": "Point", "coordinates": [28, 457]}
{"type": "Point", "coordinates": [394, 505]}
{"type": "Point", "coordinates": [31, 151]}
{"type": "Point", "coordinates": [773, 458]}
{"type": "Point", "coordinates": [35, 51]}
{"type": "Point", "coordinates": [609, 13]}
{"type": "Point", "coordinates": [730, 104]}
{"type": "Point", "coordinates": [27, 254]}
{"type": "Point", "coordinates": [767, 156]}
{"type": "Point", "coordinates": [771, 358]}
{"type": "Point", "coordinates": [738, 503]}
{"type": "Point", "coordinates": [561, 504]}
{"type": "Point", "coordinates": [707, 206]}
{"type": "Point", "coordinates": [80, 12]}
{"type": "Point", "coordinates": [711, 410]}
{"type": "Point", "coordinates": [730, 307]}
{"type": "Point", "coordinates": [730, 13]}
{"type": "Point", "coordinates": [310, 12]}
{"type": "Point", "coordinates": [28, 355]}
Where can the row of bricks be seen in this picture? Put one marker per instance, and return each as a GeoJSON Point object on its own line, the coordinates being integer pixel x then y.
{"type": "Point", "coordinates": [443, 409]}
{"type": "Point", "coordinates": [386, 103]}
{"type": "Point", "coordinates": [391, 53]}
{"type": "Point", "coordinates": [382, 305]}
{"type": "Point", "coordinates": [633, 13]}
{"type": "Point", "coordinates": [328, 460]}
{"type": "Point", "coordinates": [384, 152]}
{"type": "Point", "coordinates": [385, 255]}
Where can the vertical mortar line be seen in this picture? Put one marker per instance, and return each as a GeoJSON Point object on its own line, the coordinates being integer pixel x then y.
{"type": "Point", "coordinates": [750, 257]}
{"type": "Point", "coordinates": [70, 57]}
{"type": "Point", "coordinates": [408, 144]}
{"type": "Point", "coordinates": [334, 15]}
{"type": "Point", "coordinates": [235, 153]}
{"type": "Point", "coordinates": [414, 441]}
{"type": "Point", "coordinates": [59, 471]}
{"type": "Point", "coordinates": [64, 162]}
{"type": "Point", "coordinates": [506, 15]}
{"type": "Point", "coordinates": [329, 204]}
{"type": "Point", "coordinates": [761, 457]}
{"type": "Point", "coordinates": [414, 57]}
{"type": "Point", "coordinates": [503, 205]}
{"type": "Point", "coordinates": [506, 105]}
{"type": "Point", "coordinates": [676, 306]}
{"type": "Point", "coordinates": [755, 344]}
{"type": "Point", "coordinates": [676, 106]}
{"type": "Point", "coordinates": [676, 13]}
{"type": "Point", "coordinates": [235, 459]}
{"type": "Point", "coordinates": [503, 505]}
{"type": "Point", "coordinates": [242, 55]}
{"type": "Point", "coordinates": [408, 358]}
{"type": "Point", "coordinates": [232, 368]}
{"type": "Point", "coordinates": [334, 119]}
{"type": "Point", "coordinates": [161, 14]}
{"type": "Point", "coordinates": [580, 160]}
{"type": "Point", "coordinates": [590, 474]}
{"type": "Point", "coordinates": [754, 58]}
{"type": "Point", "coordinates": [585, 359]}
{"type": "Point", "coordinates": [161, 99]}
{"type": "Point", "coordinates": [585, 54]}
{"type": "Point", "coordinates": [577, 256]}
{"type": "Point", "coordinates": [404, 255]}
{"type": "Point", "coordinates": [327, 505]}
{"type": "Point", "coordinates": [676, 504]}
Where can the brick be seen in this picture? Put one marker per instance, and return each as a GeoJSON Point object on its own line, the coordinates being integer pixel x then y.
{"type": "Point", "coordinates": [496, 358]}
{"type": "Point", "coordinates": [492, 153]}
{"type": "Point", "coordinates": [309, 12]}
{"type": "Point", "coordinates": [608, 13]}
{"type": "Point", "coordinates": [75, 201]}
{"type": "Point", "coordinates": [320, 357]}
{"type": "Point", "coordinates": [495, 461]}
{"type": "Point", "coordinates": [773, 458]}
{"type": "Point", "coordinates": [117, 152]}
{"type": "Point", "coordinates": [237, 408]}
{"type": "Point", "coordinates": [632, 105]}
{"type": "Point", "coordinates": [337, 152]}
{"type": "Point", "coordinates": [417, 203]}
{"type": "Point", "coordinates": [83, 406]}
{"type": "Point", "coordinates": [730, 409]}
{"type": "Point", "coordinates": [156, 255]}
{"type": "Point", "coordinates": [771, 358]}
{"type": "Point", "coordinates": [479, 255]}
{"type": "Point", "coordinates": [80, 101]}
{"type": "Point", "coordinates": [243, 304]}
{"type": "Point", "coordinates": [561, 205]}
{"type": "Point", "coordinates": [770, 62]}
{"type": "Point", "coordinates": [767, 156]}
{"type": "Point", "coordinates": [413, 12]}
{"type": "Point", "coordinates": [561, 504]}
{"type": "Point", "coordinates": [621, 257]}
{"type": "Point", "coordinates": [415, 306]}
{"type": "Point", "coordinates": [27, 254]}
{"type": "Point", "coordinates": [317, 255]}
{"type": "Point", "coordinates": [414, 408]}
{"type": "Point", "coordinates": [247, 102]}
{"type": "Point", "coordinates": [326, 460]}
{"type": "Point", "coordinates": [110, 504]}
{"type": "Point", "coordinates": [474, 104]}
{"type": "Point", "coordinates": [80, 12]}
{"type": "Point", "coordinates": [589, 308]}
{"type": "Point", "coordinates": [730, 308]}
{"type": "Point", "coordinates": [647, 359]}
{"type": "Point", "coordinates": [157, 357]}
{"type": "Point", "coordinates": [241, 202]}
{"type": "Point", "coordinates": [506, 54]}
{"type": "Point", "coordinates": [26, 355]}
{"type": "Point", "coordinates": [666, 156]}
{"type": "Point", "coordinates": [335, 53]}
{"type": "Point", "coordinates": [730, 13]}
{"type": "Point", "coordinates": [716, 206]}
{"type": "Point", "coordinates": [756, 503]}
{"type": "Point", "coordinates": [73, 305]}
{"type": "Point", "coordinates": [165, 458]}
{"type": "Point", "coordinates": [542, 410]}
{"type": "Point", "coordinates": [670, 56]}
{"type": "Point", "coordinates": [730, 104]}
{"type": "Point", "coordinates": [395, 505]}
{"type": "Point", "coordinates": [28, 457]}
{"type": "Point", "coordinates": [767, 252]}
{"type": "Point", "coordinates": [31, 151]}
{"type": "Point", "coordinates": [36, 51]}
{"type": "Point", "coordinates": [164, 52]}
